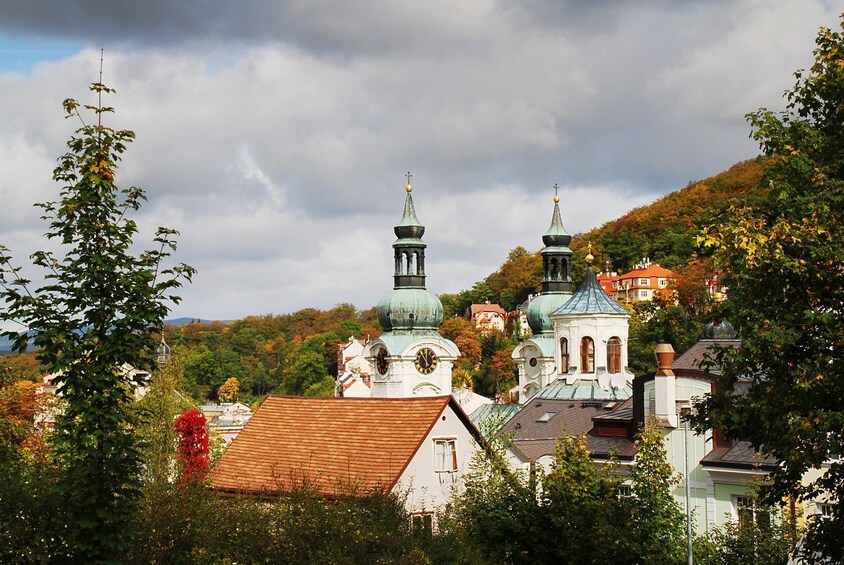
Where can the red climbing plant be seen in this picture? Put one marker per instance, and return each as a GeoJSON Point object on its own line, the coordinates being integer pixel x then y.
{"type": "Point", "coordinates": [193, 444]}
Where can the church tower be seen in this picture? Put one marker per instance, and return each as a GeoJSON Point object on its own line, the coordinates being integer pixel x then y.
{"type": "Point", "coordinates": [410, 358]}
{"type": "Point", "coordinates": [535, 357]}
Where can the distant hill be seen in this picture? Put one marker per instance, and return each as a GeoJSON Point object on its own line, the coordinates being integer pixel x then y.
{"type": "Point", "coordinates": [182, 321]}
{"type": "Point", "coordinates": [6, 343]}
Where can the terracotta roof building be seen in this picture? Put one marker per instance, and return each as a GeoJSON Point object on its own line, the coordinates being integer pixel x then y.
{"type": "Point", "coordinates": [643, 283]}
{"type": "Point", "coordinates": [348, 446]}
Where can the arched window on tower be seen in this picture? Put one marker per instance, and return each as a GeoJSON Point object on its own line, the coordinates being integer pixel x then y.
{"type": "Point", "coordinates": [409, 263]}
{"type": "Point", "coordinates": [587, 355]}
{"type": "Point", "coordinates": [564, 355]}
{"type": "Point", "coordinates": [614, 355]}
{"type": "Point", "coordinates": [554, 272]}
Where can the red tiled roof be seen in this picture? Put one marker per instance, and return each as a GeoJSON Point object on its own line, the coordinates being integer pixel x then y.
{"type": "Point", "coordinates": [331, 444]}
{"type": "Point", "coordinates": [478, 308]}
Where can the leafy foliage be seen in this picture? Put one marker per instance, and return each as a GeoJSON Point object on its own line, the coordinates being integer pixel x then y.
{"type": "Point", "coordinates": [194, 444]}
{"type": "Point", "coordinates": [576, 513]}
{"type": "Point", "coordinates": [782, 263]}
{"type": "Point", "coordinates": [97, 310]}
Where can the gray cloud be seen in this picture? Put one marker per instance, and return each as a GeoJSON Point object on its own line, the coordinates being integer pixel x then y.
{"type": "Point", "coordinates": [275, 136]}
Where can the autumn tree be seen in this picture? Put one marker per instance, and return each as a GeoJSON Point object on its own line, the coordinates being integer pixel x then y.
{"type": "Point", "coordinates": [229, 389]}
{"type": "Point", "coordinates": [99, 308]}
{"type": "Point", "coordinates": [781, 257]}
{"type": "Point", "coordinates": [194, 444]}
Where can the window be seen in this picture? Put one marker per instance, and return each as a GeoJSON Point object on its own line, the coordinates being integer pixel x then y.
{"type": "Point", "coordinates": [614, 354]}
{"type": "Point", "coordinates": [422, 523]}
{"type": "Point", "coordinates": [644, 282]}
{"type": "Point", "coordinates": [748, 512]}
{"type": "Point", "coordinates": [564, 355]}
{"type": "Point", "coordinates": [625, 490]}
{"type": "Point", "coordinates": [663, 283]}
{"type": "Point", "coordinates": [445, 455]}
{"type": "Point", "coordinates": [643, 294]}
{"type": "Point", "coordinates": [545, 417]}
{"type": "Point", "coordinates": [587, 355]}
{"type": "Point", "coordinates": [827, 511]}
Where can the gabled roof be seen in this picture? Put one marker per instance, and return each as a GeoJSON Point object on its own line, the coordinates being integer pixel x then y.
{"type": "Point", "coordinates": [476, 309]}
{"type": "Point", "coordinates": [336, 446]}
{"type": "Point", "coordinates": [590, 299]}
{"type": "Point", "coordinates": [652, 270]}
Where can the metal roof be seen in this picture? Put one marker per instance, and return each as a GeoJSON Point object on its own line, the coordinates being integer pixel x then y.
{"type": "Point", "coordinates": [590, 299]}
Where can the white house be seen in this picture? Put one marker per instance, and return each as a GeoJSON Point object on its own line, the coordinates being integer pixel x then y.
{"type": "Point", "coordinates": [420, 447]}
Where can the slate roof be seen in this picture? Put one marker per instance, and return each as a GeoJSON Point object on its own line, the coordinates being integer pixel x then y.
{"type": "Point", "coordinates": [331, 444]}
{"type": "Point", "coordinates": [741, 454]}
{"type": "Point", "coordinates": [590, 299]}
{"type": "Point", "coordinates": [690, 362]}
{"type": "Point", "coordinates": [533, 432]}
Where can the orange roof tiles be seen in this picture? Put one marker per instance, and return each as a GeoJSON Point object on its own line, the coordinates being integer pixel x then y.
{"type": "Point", "coordinates": [487, 307]}
{"type": "Point", "coordinates": [333, 445]}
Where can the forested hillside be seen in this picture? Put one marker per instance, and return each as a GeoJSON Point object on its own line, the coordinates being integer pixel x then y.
{"type": "Point", "coordinates": [297, 353]}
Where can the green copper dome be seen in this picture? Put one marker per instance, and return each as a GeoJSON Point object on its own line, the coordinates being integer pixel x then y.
{"type": "Point", "coordinates": [409, 306]}
{"type": "Point", "coordinates": [410, 309]}
{"type": "Point", "coordinates": [540, 309]}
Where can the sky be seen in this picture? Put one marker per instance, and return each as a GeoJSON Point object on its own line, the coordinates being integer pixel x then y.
{"type": "Point", "coordinates": [275, 136]}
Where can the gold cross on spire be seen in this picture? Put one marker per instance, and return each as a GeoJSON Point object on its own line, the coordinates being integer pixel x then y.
{"type": "Point", "coordinates": [408, 187]}
{"type": "Point", "coordinates": [556, 195]}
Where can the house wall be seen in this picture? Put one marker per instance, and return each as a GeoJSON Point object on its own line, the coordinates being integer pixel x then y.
{"type": "Point", "coordinates": [426, 489]}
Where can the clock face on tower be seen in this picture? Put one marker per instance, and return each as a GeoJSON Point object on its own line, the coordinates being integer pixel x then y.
{"type": "Point", "coordinates": [381, 362]}
{"type": "Point", "coordinates": [426, 361]}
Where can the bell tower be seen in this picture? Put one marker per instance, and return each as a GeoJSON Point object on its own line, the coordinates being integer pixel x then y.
{"type": "Point", "coordinates": [410, 358]}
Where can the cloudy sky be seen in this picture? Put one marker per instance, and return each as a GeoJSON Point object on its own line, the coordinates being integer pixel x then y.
{"type": "Point", "coordinates": [275, 136]}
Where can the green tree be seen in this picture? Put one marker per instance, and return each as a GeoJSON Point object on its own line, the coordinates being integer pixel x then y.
{"type": "Point", "coordinates": [99, 308]}
{"type": "Point", "coordinates": [781, 257]}
{"type": "Point", "coordinates": [656, 530]}
{"type": "Point", "coordinates": [155, 413]}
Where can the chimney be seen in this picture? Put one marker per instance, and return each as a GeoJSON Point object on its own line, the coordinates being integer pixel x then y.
{"type": "Point", "coordinates": [664, 386]}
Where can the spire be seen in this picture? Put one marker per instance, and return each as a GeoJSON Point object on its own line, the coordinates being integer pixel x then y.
{"type": "Point", "coordinates": [409, 250]}
{"type": "Point", "coordinates": [409, 227]}
{"type": "Point", "coordinates": [556, 236]}
{"type": "Point", "coordinates": [556, 257]}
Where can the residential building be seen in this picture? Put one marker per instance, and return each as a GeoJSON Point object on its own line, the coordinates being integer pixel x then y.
{"type": "Point", "coordinates": [488, 317]}
{"type": "Point", "coordinates": [226, 419]}
{"type": "Point", "coordinates": [643, 283]}
{"type": "Point", "coordinates": [418, 447]}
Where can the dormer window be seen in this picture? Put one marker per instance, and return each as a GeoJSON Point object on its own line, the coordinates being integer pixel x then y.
{"type": "Point", "coordinates": [546, 417]}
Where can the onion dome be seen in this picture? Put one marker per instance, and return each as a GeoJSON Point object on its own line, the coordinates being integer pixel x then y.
{"type": "Point", "coordinates": [540, 309]}
{"type": "Point", "coordinates": [719, 329]}
{"type": "Point", "coordinates": [410, 309]}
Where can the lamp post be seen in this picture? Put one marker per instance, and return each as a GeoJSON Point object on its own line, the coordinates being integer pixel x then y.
{"type": "Point", "coordinates": [689, 557]}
